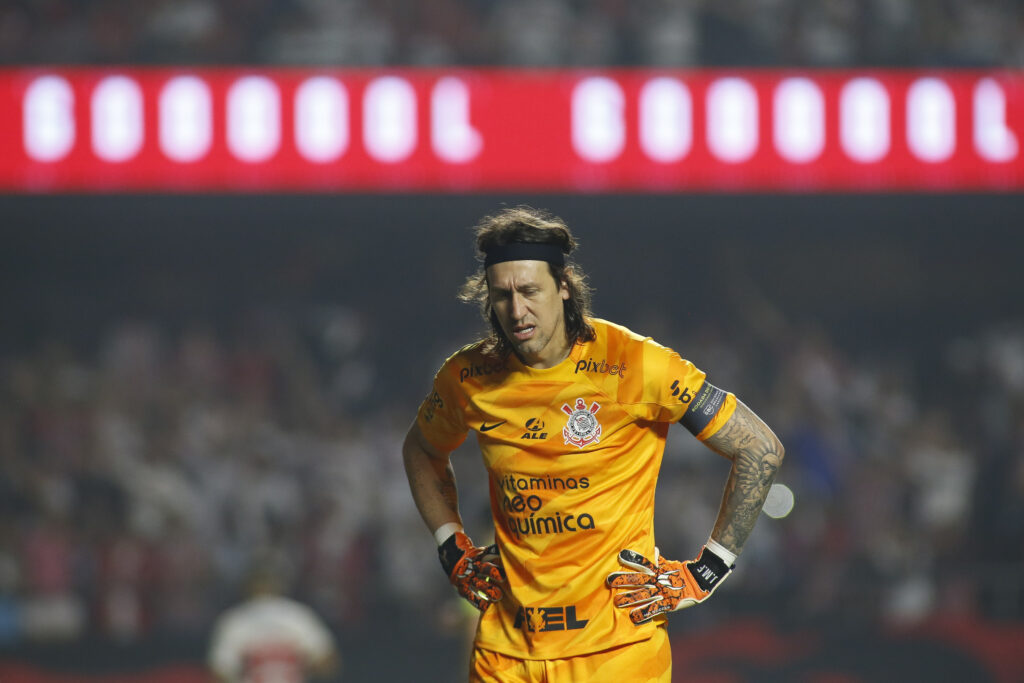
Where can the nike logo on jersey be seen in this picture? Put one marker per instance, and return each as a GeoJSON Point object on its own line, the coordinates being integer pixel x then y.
{"type": "Point", "coordinates": [486, 427]}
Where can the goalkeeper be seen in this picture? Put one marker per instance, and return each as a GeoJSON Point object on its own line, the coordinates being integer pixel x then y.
{"type": "Point", "coordinates": [571, 414]}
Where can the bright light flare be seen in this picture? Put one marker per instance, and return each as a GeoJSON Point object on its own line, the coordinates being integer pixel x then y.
{"type": "Point", "coordinates": [779, 502]}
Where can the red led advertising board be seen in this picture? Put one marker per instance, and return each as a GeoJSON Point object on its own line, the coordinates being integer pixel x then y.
{"type": "Point", "coordinates": [479, 130]}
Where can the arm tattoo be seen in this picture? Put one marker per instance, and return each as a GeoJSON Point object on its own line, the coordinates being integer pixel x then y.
{"type": "Point", "coordinates": [756, 454]}
{"type": "Point", "coordinates": [446, 486]}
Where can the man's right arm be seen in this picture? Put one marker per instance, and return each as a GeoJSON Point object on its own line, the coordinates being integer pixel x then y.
{"type": "Point", "coordinates": [431, 479]}
{"type": "Point", "coordinates": [476, 572]}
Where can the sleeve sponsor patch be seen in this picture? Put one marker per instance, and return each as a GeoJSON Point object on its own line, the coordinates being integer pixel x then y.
{"type": "Point", "coordinates": [703, 408]}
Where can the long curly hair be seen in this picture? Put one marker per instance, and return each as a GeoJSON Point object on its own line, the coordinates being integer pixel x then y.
{"type": "Point", "coordinates": [527, 224]}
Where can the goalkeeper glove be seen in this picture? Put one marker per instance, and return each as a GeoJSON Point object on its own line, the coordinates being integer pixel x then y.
{"type": "Point", "coordinates": [476, 572]}
{"type": "Point", "coordinates": [665, 586]}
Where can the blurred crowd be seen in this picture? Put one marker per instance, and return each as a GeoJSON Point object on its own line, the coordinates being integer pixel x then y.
{"type": "Point", "coordinates": [142, 478]}
{"type": "Point", "coordinates": [825, 33]}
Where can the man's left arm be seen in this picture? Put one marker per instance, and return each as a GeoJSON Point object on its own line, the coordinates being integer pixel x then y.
{"type": "Point", "coordinates": [756, 454]}
{"type": "Point", "coordinates": [648, 588]}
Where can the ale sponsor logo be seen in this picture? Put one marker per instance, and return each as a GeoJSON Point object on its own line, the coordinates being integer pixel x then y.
{"type": "Point", "coordinates": [534, 429]}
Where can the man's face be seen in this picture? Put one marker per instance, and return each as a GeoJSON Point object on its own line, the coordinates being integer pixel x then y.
{"type": "Point", "coordinates": [528, 303]}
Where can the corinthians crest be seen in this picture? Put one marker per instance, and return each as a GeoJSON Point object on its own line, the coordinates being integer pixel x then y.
{"type": "Point", "coordinates": [582, 428]}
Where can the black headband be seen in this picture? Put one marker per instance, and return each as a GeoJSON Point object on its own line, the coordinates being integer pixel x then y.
{"type": "Point", "coordinates": [524, 251]}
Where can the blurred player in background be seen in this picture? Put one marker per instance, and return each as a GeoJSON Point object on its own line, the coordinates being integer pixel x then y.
{"type": "Point", "coordinates": [271, 638]}
{"type": "Point", "coordinates": [571, 413]}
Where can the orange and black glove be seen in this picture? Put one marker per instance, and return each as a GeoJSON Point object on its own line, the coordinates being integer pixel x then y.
{"type": "Point", "coordinates": [476, 572]}
{"type": "Point", "coordinates": [663, 586]}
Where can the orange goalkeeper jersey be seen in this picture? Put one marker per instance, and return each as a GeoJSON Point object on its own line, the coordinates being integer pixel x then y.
{"type": "Point", "coordinates": [573, 454]}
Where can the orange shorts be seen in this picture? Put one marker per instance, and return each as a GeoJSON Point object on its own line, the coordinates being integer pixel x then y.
{"type": "Point", "coordinates": [648, 661]}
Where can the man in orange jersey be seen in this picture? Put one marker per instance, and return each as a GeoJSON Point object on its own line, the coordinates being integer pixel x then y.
{"type": "Point", "coordinates": [571, 413]}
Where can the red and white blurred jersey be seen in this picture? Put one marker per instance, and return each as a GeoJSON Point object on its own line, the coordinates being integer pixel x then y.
{"type": "Point", "coordinates": [268, 639]}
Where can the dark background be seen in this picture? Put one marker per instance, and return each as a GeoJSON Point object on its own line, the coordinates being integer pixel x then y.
{"type": "Point", "coordinates": [911, 271]}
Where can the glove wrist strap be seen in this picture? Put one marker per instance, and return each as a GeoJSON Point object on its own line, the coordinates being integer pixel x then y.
{"type": "Point", "coordinates": [717, 548]}
{"type": "Point", "coordinates": [449, 553]}
{"type": "Point", "coordinates": [708, 570]}
{"type": "Point", "coordinates": [445, 531]}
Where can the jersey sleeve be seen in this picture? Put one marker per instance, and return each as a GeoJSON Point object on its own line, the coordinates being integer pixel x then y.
{"type": "Point", "coordinates": [223, 657]}
{"type": "Point", "coordinates": [441, 417]}
{"type": "Point", "coordinates": [312, 634]}
{"type": "Point", "coordinates": [675, 390]}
